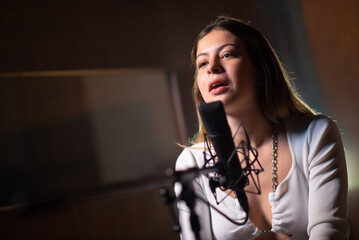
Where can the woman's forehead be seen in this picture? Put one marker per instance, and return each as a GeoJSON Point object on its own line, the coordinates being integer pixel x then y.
{"type": "Point", "coordinates": [216, 40]}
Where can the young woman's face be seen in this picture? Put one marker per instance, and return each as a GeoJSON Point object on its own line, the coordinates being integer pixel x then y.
{"type": "Point", "coordinates": [225, 72]}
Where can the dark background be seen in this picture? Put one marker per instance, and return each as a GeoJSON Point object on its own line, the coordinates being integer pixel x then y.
{"type": "Point", "coordinates": [317, 40]}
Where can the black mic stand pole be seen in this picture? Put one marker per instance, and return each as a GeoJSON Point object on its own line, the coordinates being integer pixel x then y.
{"type": "Point", "coordinates": [189, 197]}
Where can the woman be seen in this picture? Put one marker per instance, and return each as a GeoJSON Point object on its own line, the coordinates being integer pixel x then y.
{"type": "Point", "coordinates": [304, 182]}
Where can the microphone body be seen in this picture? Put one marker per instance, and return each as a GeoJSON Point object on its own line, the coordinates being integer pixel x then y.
{"type": "Point", "coordinates": [230, 171]}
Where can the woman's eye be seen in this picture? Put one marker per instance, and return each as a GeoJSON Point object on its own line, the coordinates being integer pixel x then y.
{"type": "Point", "coordinates": [226, 55]}
{"type": "Point", "coordinates": [201, 64]}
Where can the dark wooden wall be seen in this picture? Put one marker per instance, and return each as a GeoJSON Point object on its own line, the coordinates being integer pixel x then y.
{"type": "Point", "coordinates": [81, 34]}
{"type": "Point", "coordinates": [333, 33]}
{"type": "Point", "coordinates": [46, 35]}
{"type": "Point", "coordinates": [139, 215]}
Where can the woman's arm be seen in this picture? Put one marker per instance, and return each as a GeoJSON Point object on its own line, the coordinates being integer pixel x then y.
{"type": "Point", "coordinates": [328, 185]}
{"type": "Point", "coordinates": [185, 161]}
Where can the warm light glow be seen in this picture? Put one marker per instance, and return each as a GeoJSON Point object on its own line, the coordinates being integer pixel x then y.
{"type": "Point", "coordinates": [352, 166]}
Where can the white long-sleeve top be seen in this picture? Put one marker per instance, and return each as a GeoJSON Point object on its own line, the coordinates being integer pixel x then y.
{"type": "Point", "coordinates": [310, 203]}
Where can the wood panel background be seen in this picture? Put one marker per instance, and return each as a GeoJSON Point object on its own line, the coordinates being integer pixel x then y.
{"type": "Point", "coordinates": [333, 32]}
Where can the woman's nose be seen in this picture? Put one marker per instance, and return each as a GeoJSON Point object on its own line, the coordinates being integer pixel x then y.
{"type": "Point", "coordinates": [214, 67]}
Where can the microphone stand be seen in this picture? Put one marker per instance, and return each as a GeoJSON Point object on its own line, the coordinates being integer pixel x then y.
{"type": "Point", "coordinates": [189, 197]}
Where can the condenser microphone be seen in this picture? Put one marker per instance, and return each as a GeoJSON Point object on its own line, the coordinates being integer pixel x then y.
{"type": "Point", "coordinates": [229, 168]}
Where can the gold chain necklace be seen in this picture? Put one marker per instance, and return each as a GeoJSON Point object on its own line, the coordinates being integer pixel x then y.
{"type": "Point", "coordinates": [274, 157]}
{"type": "Point", "coordinates": [274, 165]}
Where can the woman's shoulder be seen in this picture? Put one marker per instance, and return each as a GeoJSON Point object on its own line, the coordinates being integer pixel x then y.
{"type": "Point", "coordinates": [191, 156]}
{"type": "Point", "coordinates": [315, 130]}
{"type": "Point", "coordinates": [310, 124]}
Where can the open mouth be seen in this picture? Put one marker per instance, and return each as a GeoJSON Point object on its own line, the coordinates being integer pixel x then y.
{"type": "Point", "coordinates": [218, 84]}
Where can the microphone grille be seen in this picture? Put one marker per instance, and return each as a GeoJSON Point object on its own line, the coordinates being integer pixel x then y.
{"type": "Point", "coordinates": [214, 117]}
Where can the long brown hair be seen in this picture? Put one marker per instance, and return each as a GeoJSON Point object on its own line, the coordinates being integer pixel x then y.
{"type": "Point", "coordinates": [278, 98]}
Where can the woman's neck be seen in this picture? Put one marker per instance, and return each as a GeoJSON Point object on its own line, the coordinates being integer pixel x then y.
{"type": "Point", "coordinates": [257, 127]}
